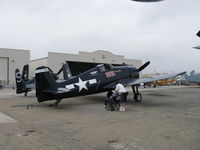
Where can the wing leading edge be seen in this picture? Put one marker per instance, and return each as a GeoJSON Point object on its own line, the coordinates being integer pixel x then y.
{"type": "Point", "coordinates": [153, 78]}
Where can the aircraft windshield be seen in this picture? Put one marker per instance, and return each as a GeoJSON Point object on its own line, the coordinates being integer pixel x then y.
{"type": "Point", "coordinates": [104, 67]}
{"type": "Point", "coordinates": [108, 67]}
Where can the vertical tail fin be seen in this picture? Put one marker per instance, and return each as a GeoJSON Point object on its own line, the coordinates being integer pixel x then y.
{"type": "Point", "coordinates": [19, 82]}
{"type": "Point", "coordinates": [25, 72]}
{"type": "Point", "coordinates": [66, 71]}
{"type": "Point", "coordinates": [44, 81]}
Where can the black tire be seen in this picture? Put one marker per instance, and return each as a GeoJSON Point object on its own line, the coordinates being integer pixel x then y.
{"type": "Point", "coordinates": [138, 97]}
{"type": "Point", "coordinates": [111, 105]}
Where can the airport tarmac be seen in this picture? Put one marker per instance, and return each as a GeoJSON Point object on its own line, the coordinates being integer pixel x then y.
{"type": "Point", "coordinates": [167, 119]}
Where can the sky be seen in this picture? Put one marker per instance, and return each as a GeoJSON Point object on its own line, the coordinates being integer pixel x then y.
{"type": "Point", "coordinates": [161, 32]}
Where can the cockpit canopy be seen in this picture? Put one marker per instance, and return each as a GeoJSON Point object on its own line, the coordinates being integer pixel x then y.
{"type": "Point", "coordinates": [104, 67]}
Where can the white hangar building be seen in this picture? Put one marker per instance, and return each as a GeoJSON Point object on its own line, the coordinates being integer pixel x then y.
{"type": "Point", "coordinates": [10, 59]}
{"type": "Point", "coordinates": [81, 62]}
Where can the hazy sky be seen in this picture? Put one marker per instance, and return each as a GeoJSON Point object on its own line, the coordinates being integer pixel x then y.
{"type": "Point", "coordinates": [162, 32]}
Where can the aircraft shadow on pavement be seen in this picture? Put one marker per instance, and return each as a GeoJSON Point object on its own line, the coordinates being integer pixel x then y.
{"type": "Point", "coordinates": [150, 103]}
{"type": "Point", "coordinates": [70, 102]}
{"type": "Point", "coordinates": [99, 99]}
{"type": "Point", "coordinates": [158, 94]}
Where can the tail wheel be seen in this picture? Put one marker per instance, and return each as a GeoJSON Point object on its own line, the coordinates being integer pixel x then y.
{"type": "Point", "coordinates": [138, 97]}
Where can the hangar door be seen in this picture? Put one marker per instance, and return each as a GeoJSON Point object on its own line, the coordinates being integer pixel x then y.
{"type": "Point", "coordinates": [79, 67]}
{"type": "Point", "coordinates": [3, 70]}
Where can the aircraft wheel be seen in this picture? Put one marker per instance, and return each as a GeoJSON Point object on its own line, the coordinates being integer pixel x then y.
{"type": "Point", "coordinates": [111, 105]}
{"type": "Point", "coordinates": [25, 94]}
{"type": "Point", "coordinates": [138, 97]}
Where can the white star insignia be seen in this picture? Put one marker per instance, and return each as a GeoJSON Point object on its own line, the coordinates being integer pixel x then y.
{"type": "Point", "coordinates": [81, 84]}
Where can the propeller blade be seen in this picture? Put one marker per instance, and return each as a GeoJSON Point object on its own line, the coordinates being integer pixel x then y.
{"type": "Point", "coordinates": [143, 66]}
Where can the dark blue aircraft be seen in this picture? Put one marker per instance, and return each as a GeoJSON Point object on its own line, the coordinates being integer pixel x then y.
{"type": "Point", "coordinates": [102, 78]}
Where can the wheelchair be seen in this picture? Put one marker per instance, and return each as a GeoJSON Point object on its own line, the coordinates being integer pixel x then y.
{"type": "Point", "coordinates": [112, 102]}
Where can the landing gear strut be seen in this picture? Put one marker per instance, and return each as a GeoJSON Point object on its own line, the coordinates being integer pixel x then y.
{"type": "Point", "coordinates": [137, 96]}
{"type": "Point", "coordinates": [25, 94]}
{"type": "Point", "coordinates": [56, 103]}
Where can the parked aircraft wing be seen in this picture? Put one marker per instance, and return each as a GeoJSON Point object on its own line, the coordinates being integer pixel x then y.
{"type": "Point", "coordinates": [130, 82]}
{"type": "Point", "coordinates": [153, 78]}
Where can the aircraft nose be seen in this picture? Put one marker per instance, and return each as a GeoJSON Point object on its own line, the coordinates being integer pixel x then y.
{"type": "Point", "coordinates": [133, 72]}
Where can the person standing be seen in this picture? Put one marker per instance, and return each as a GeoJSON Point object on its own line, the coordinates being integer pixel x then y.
{"type": "Point", "coordinates": [121, 90]}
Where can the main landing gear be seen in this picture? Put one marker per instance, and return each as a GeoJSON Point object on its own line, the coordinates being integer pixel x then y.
{"type": "Point", "coordinates": [56, 103]}
{"type": "Point", "coordinates": [137, 96]}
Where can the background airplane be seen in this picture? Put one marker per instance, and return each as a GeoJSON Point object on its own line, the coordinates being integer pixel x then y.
{"type": "Point", "coordinates": [193, 78]}
{"type": "Point", "coordinates": [102, 78]}
{"type": "Point", "coordinates": [198, 46]}
{"type": "Point", "coordinates": [23, 83]}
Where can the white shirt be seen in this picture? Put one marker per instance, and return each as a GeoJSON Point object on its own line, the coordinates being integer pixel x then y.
{"type": "Point", "coordinates": [120, 88]}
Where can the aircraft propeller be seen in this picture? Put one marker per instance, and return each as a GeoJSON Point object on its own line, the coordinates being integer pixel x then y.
{"type": "Point", "coordinates": [143, 66]}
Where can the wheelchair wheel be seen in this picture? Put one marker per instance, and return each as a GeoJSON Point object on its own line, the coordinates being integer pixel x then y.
{"type": "Point", "coordinates": [111, 105]}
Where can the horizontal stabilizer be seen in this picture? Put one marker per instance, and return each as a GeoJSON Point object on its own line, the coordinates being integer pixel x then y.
{"type": "Point", "coordinates": [55, 92]}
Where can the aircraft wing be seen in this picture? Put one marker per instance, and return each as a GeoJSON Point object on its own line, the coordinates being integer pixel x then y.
{"type": "Point", "coordinates": [130, 82]}
{"type": "Point", "coordinates": [153, 78]}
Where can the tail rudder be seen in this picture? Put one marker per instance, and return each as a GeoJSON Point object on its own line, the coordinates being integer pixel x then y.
{"type": "Point", "coordinates": [66, 71]}
{"type": "Point", "coordinates": [44, 81]}
{"type": "Point", "coordinates": [25, 72]}
{"type": "Point", "coordinates": [19, 82]}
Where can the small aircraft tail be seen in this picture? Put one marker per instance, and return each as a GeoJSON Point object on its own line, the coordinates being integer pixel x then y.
{"type": "Point", "coordinates": [25, 73]}
{"type": "Point", "coordinates": [19, 82]}
{"type": "Point", "coordinates": [44, 82]}
{"type": "Point", "coordinates": [66, 71]}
